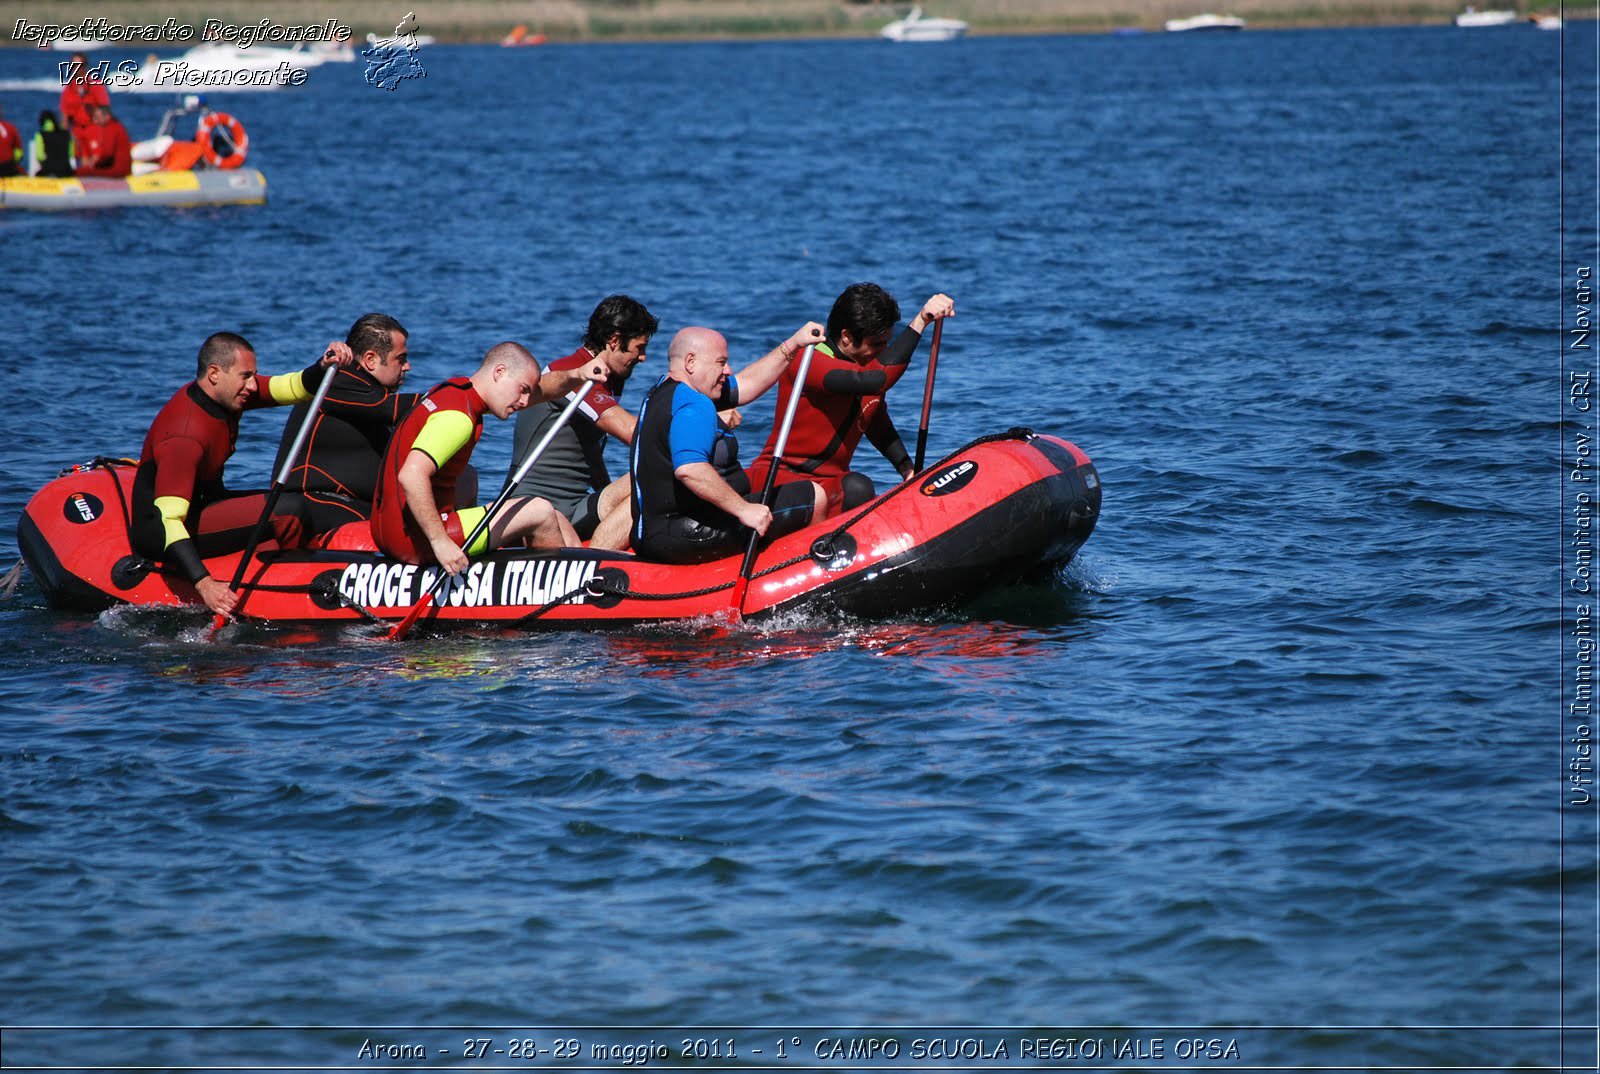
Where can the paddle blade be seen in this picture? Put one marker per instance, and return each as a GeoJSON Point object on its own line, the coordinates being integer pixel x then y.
{"type": "Point", "coordinates": [399, 631]}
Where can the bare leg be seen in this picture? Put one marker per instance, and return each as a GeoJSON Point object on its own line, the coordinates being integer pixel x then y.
{"type": "Point", "coordinates": [616, 517]}
{"type": "Point", "coordinates": [535, 522]}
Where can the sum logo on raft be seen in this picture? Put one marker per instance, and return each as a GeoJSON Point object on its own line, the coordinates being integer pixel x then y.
{"type": "Point", "coordinates": [952, 479]}
{"type": "Point", "coordinates": [82, 508]}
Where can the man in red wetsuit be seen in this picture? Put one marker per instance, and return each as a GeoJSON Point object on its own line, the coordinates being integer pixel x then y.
{"type": "Point", "coordinates": [103, 146]}
{"type": "Point", "coordinates": [81, 90]}
{"type": "Point", "coordinates": [414, 513]}
{"type": "Point", "coordinates": [10, 148]}
{"type": "Point", "coordinates": [181, 512]}
{"type": "Point", "coordinates": [843, 396]}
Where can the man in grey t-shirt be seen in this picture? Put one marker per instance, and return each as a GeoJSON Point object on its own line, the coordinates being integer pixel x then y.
{"type": "Point", "coordinates": [572, 472]}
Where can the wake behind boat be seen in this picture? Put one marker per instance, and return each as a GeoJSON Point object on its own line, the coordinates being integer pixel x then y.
{"type": "Point", "coordinates": [1002, 509]}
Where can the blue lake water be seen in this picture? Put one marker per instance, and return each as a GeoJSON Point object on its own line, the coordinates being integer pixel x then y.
{"type": "Point", "coordinates": [1287, 746]}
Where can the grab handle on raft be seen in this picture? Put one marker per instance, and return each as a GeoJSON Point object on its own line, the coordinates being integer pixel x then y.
{"type": "Point", "coordinates": [772, 476]}
{"type": "Point", "coordinates": [403, 627]}
{"type": "Point", "coordinates": [277, 488]}
{"type": "Point", "coordinates": [927, 398]}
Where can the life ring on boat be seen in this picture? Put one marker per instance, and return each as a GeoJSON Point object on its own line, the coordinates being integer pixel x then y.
{"type": "Point", "coordinates": [232, 135]}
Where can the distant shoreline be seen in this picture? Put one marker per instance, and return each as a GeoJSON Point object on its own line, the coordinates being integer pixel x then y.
{"type": "Point", "coordinates": [600, 21]}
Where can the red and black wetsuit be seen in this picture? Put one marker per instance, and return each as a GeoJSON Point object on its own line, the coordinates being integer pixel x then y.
{"type": "Point", "coordinates": [841, 401]}
{"type": "Point", "coordinates": [181, 510]}
{"type": "Point", "coordinates": [446, 426]}
{"type": "Point", "coordinates": [344, 451]}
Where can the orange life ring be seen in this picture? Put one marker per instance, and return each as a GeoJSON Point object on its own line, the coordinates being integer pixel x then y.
{"type": "Point", "coordinates": [233, 135]}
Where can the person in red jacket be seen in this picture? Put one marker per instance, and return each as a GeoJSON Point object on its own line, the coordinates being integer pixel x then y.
{"type": "Point", "coordinates": [180, 510]}
{"type": "Point", "coordinates": [415, 517]}
{"type": "Point", "coordinates": [842, 398]}
{"type": "Point", "coordinates": [10, 148]}
{"type": "Point", "coordinates": [81, 90]}
{"type": "Point", "coordinates": [104, 150]}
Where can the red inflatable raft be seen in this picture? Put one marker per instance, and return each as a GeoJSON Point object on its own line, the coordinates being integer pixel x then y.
{"type": "Point", "coordinates": [1003, 508]}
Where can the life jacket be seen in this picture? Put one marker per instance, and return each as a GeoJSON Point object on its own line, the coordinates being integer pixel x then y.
{"type": "Point", "coordinates": [53, 148]}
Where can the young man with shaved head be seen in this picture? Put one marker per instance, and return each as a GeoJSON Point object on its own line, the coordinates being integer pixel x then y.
{"type": "Point", "coordinates": [414, 513]}
{"type": "Point", "coordinates": [684, 511]}
{"type": "Point", "coordinates": [180, 510]}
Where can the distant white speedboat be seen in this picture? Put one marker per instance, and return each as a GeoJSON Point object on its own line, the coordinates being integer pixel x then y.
{"type": "Point", "coordinates": [918, 27]}
{"type": "Point", "coordinates": [1475, 19]}
{"type": "Point", "coordinates": [1546, 22]}
{"type": "Point", "coordinates": [1207, 21]}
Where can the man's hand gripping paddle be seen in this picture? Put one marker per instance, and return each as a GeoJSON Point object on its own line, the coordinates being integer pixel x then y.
{"type": "Point", "coordinates": [403, 627]}
{"type": "Point", "coordinates": [743, 585]}
{"type": "Point", "coordinates": [277, 488]}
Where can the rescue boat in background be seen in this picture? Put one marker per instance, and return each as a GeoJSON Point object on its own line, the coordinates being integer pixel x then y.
{"type": "Point", "coordinates": [207, 169]}
{"type": "Point", "coordinates": [1002, 509]}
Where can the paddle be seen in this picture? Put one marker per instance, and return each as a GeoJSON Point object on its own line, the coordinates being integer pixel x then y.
{"type": "Point", "coordinates": [743, 585]}
{"type": "Point", "coordinates": [927, 397]}
{"type": "Point", "coordinates": [276, 489]}
{"type": "Point", "coordinates": [403, 627]}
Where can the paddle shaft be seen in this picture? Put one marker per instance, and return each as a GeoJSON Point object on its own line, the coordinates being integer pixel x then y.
{"type": "Point", "coordinates": [927, 398]}
{"type": "Point", "coordinates": [772, 472]}
{"type": "Point", "coordinates": [403, 627]}
{"type": "Point", "coordinates": [277, 487]}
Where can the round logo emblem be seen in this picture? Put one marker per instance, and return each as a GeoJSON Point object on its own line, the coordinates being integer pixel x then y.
{"type": "Point", "coordinates": [952, 478]}
{"type": "Point", "coordinates": [82, 508]}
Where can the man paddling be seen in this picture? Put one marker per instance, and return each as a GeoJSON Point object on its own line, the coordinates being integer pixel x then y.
{"type": "Point", "coordinates": [572, 473]}
{"type": "Point", "coordinates": [414, 509]}
{"type": "Point", "coordinates": [842, 398]}
{"type": "Point", "coordinates": [180, 511]}
{"type": "Point", "coordinates": [344, 450]}
{"type": "Point", "coordinates": [684, 511]}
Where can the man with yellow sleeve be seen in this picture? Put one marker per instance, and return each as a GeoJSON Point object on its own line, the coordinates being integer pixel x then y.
{"type": "Point", "coordinates": [415, 517]}
{"type": "Point", "coordinates": [181, 511]}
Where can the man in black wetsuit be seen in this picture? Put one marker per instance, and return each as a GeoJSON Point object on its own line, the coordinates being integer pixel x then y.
{"type": "Point", "coordinates": [349, 434]}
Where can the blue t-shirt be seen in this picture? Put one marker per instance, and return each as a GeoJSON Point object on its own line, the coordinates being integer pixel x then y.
{"type": "Point", "coordinates": [695, 429]}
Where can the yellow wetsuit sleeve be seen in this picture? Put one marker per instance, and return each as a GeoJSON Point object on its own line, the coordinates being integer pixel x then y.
{"type": "Point", "coordinates": [173, 509]}
{"type": "Point", "coordinates": [442, 435]}
{"type": "Point", "coordinates": [286, 388]}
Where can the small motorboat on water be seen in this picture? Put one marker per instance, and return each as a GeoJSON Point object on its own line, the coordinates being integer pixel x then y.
{"type": "Point", "coordinates": [1207, 21]}
{"type": "Point", "coordinates": [919, 27]}
{"type": "Point", "coordinates": [1545, 22]}
{"type": "Point", "coordinates": [1474, 19]}
{"type": "Point", "coordinates": [205, 170]}
{"type": "Point", "coordinates": [519, 37]}
{"type": "Point", "coordinates": [1002, 509]}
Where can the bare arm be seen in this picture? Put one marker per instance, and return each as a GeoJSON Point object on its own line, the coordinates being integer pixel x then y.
{"type": "Point", "coordinates": [416, 479]}
{"type": "Point", "coordinates": [556, 383]}
{"type": "Point", "coordinates": [702, 479]}
{"type": "Point", "coordinates": [763, 373]}
{"type": "Point", "coordinates": [619, 423]}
